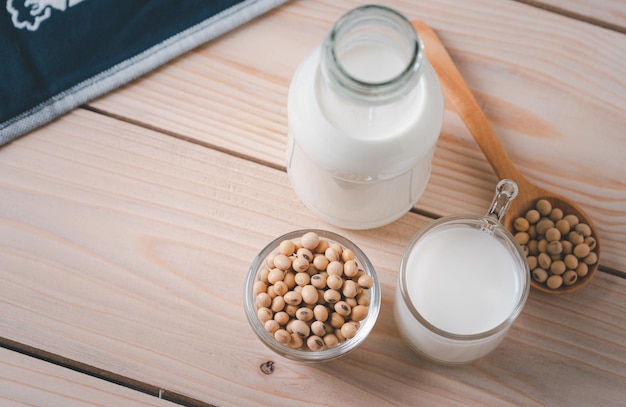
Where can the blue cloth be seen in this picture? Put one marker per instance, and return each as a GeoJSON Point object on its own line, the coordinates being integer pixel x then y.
{"type": "Point", "coordinates": [58, 54]}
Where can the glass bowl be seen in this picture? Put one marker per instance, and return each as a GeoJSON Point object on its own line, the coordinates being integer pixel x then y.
{"type": "Point", "coordinates": [304, 354]}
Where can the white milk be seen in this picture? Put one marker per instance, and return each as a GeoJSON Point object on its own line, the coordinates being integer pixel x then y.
{"type": "Point", "coordinates": [463, 281]}
{"type": "Point", "coordinates": [354, 164]}
{"type": "Point", "coordinates": [372, 63]}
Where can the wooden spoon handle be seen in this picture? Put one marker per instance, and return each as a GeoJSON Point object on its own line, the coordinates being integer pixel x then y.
{"type": "Point", "coordinates": [460, 96]}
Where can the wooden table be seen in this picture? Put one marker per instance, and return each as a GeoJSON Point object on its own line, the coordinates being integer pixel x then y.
{"type": "Point", "coordinates": [127, 226]}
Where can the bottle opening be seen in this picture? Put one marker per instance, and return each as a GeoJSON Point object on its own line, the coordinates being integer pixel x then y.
{"type": "Point", "coordinates": [372, 51]}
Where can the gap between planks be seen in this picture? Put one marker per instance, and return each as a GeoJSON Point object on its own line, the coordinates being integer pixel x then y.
{"type": "Point", "coordinates": [179, 136]}
{"type": "Point", "coordinates": [149, 389]}
{"type": "Point", "coordinates": [573, 15]}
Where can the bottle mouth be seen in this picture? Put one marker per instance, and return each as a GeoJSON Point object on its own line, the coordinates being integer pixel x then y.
{"type": "Point", "coordinates": [371, 53]}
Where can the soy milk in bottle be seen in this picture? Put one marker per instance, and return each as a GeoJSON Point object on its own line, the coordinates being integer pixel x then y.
{"type": "Point", "coordinates": [365, 110]}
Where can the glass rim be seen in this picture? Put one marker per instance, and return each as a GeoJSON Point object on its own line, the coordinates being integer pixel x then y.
{"type": "Point", "coordinates": [309, 355]}
{"type": "Point", "coordinates": [465, 220]}
{"type": "Point", "coordinates": [379, 90]}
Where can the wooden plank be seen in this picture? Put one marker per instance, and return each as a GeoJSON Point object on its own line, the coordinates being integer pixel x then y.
{"type": "Point", "coordinates": [610, 14]}
{"type": "Point", "coordinates": [126, 250]}
{"type": "Point", "coordinates": [26, 381]}
{"type": "Point", "coordinates": [552, 87]}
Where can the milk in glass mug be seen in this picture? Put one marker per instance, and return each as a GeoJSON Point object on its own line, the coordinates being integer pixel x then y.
{"type": "Point", "coordinates": [463, 281]}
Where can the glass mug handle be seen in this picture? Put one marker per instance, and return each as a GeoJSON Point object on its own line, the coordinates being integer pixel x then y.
{"type": "Point", "coordinates": [506, 191]}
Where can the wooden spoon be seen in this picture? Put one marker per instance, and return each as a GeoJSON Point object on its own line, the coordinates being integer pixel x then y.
{"type": "Point", "coordinates": [462, 100]}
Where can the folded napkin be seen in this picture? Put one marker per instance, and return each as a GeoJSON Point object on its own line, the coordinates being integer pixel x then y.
{"type": "Point", "coordinates": [58, 54]}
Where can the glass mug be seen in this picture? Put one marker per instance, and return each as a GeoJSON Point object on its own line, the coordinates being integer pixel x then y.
{"type": "Point", "coordinates": [463, 281]}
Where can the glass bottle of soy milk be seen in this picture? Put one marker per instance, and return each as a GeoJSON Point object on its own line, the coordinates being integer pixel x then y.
{"type": "Point", "coordinates": [365, 110]}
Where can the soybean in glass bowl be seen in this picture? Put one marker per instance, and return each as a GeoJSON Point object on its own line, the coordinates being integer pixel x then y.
{"type": "Point", "coordinates": [369, 293]}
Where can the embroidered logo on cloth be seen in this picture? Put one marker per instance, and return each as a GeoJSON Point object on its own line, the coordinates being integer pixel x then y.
{"type": "Point", "coordinates": [30, 13]}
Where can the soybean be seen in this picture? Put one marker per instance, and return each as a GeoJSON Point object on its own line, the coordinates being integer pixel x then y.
{"type": "Point", "coordinates": [571, 261]}
{"type": "Point", "coordinates": [359, 313]}
{"type": "Point", "coordinates": [302, 279]}
{"type": "Point", "coordinates": [335, 268]}
{"type": "Point", "coordinates": [304, 314]}
{"type": "Point", "coordinates": [331, 340]}
{"type": "Point", "coordinates": [582, 269]}
{"type": "Point", "coordinates": [570, 277]}
{"type": "Point", "coordinates": [318, 281]}
{"type": "Point", "coordinates": [332, 254]}
{"type": "Point", "coordinates": [521, 224]}
{"type": "Point", "coordinates": [363, 299]}
{"type": "Point", "coordinates": [591, 242]}
{"type": "Point", "coordinates": [554, 248]}
{"type": "Point", "coordinates": [315, 343]}
{"type": "Point", "coordinates": [309, 294]}
{"type": "Point", "coordinates": [320, 262]}
{"type": "Point", "coordinates": [581, 250]}
{"type": "Point", "coordinates": [336, 320]}
{"type": "Point", "coordinates": [281, 317]}
{"type": "Point", "coordinates": [263, 300]}
{"type": "Point", "coordinates": [544, 261]}
{"type": "Point", "coordinates": [563, 226]}
{"type": "Point", "coordinates": [275, 275]}
{"type": "Point", "coordinates": [264, 314]}
{"type": "Point", "coordinates": [350, 289]}
{"type": "Point", "coordinates": [293, 298]}
{"type": "Point", "coordinates": [568, 247]}
{"type": "Point", "coordinates": [282, 336]}
{"type": "Point", "coordinates": [522, 238]}
{"type": "Point", "coordinates": [271, 326]}
{"type": "Point", "coordinates": [259, 287]}
{"type": "Point", "coordinates": [556, 214]}
{"type": "Point", "coordinates": [305, 253]}
{"type": "Point", "coordinates": [320, 312]}
{"type": "Point", "coordinates": [583, 229]}
{"type": "Point", "coordinates": [281, 287]}
{"type": "Point", "coordinates": [544, 207]}
{"type": "Point", "coordinates": [553, 235]}
{"type": "Point", "coordinates": [282, 262]}
{"type": "Point", "coordinates": [543, 225]}
{"type": "Point", "coordinates": [295, 342]}
{"type": "Point", "coordinates": [348, 330]}
{"type": "Point", "coordinates": [554, 281]}
{"type": "Point", "coordinates": [365, 281]}
{"type": "Point", "coordinates": [319, 328]}
{"type": "Point", "coordinates": [300, 264]}
{"type": "Point", "coordinates": [343, 308]}
{"type": "Point", "coordinates": [278, 303]}
{"type": "Point", "coordinates": [332, 296]}
{"type": "Point", "coordinates": [591, 258]}
{"type": "Point", "coordinates": [572, 219]}
{"type": "Point", "coordinates": [540, 275]}
{"type": "Point", "coordinates": [310, 240]}
{"type": "Point", "coordinates": [286, 247]}
{"type": "Point", "coordinates": [558, 267]}
{"type": "Point", "coordinates": [301, 328]}
{"type": "Point", "coordinates": [533, 216]}
{"type": "Point", "coordinates": [350, 268]}
{"type": "Point", "coordinates": [575, 238]}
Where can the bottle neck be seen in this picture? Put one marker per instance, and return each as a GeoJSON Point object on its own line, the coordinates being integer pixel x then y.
{"type": "Point", "coordinates": [373, 55]}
